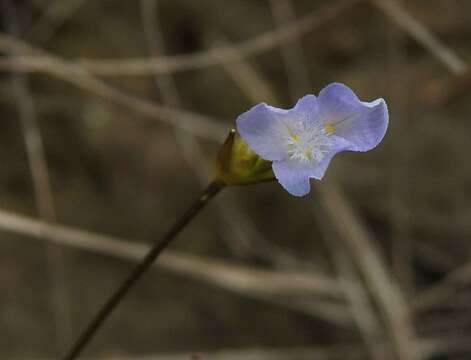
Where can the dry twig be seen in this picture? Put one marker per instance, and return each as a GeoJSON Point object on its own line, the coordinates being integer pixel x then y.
{"type": "Point", "coordinates": [284, 288]}
{"type": "Point", "coordinates": [197, 124]}
{"type": "Point", "coordinates": [202, 59]}
{"type": "Point", "coordinates": [385, 291]}
{"type": "Point", "coordinates": [54, 16]}
{"type": "Point", "coordinates": [55, 265]}
{"type": "Point", "coordinates": [420, 33]}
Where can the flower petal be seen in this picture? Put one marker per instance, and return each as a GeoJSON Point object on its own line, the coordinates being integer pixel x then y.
{"type": "Point", "coordinates": [363, 124]}
{"type": "Point", "coordinates": [292, 176]}
{"type": "Point", "coordinates": [338, 144]}
{"type": "Point", "coordinates": [306, 109]}
{"type": "Point", "coordinates": [263, 129]}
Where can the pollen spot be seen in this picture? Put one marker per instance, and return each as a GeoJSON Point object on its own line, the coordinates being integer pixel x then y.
{"type": "Point", "coordinates": [329, 128]}
{"type": "Point", "coordinates": [295, 137]}
{"type": "Point", "coordinates": [308, 153]}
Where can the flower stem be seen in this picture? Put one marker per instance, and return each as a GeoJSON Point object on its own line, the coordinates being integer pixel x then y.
{"type": "Point", "coordinates": [94, 325]}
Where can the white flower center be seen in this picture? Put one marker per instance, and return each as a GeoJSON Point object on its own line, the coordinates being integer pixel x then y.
{"type": "Point", "coordinates": [308, 142]}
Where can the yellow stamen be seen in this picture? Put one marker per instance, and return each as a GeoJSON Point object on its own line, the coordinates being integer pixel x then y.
{"type": "Point", "coordinates": [329, 128]}
{"type": "Point", "coordinates": [295, 137]}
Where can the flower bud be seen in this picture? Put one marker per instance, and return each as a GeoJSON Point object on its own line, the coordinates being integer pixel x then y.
{"type": "Point", "coordinates": [237, 164]}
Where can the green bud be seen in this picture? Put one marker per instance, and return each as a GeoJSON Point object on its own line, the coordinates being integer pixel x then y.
{"type": "Point", "coordinates": [237, 164]}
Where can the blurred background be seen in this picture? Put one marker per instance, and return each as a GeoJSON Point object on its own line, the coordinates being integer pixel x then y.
{"type": "Point", "coordinates": [111, 116]}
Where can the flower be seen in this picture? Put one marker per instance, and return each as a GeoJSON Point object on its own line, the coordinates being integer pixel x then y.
{"type": "Point", "coordinates": [301, 141]}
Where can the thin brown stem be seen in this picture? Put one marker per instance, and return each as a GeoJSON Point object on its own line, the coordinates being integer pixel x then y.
{"type": "Point", "coordinates": [140, 269]}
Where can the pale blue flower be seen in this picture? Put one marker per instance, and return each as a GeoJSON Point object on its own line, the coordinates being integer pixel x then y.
{"type": "Point", "coordinates": [301, 141]}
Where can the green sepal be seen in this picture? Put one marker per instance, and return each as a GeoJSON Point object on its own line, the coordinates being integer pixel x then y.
{"type": "Point", "coordinates": [237, 164]}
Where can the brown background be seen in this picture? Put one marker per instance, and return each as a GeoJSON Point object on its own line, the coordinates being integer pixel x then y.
{"type": "Point", "coordinates": [375, 240]}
